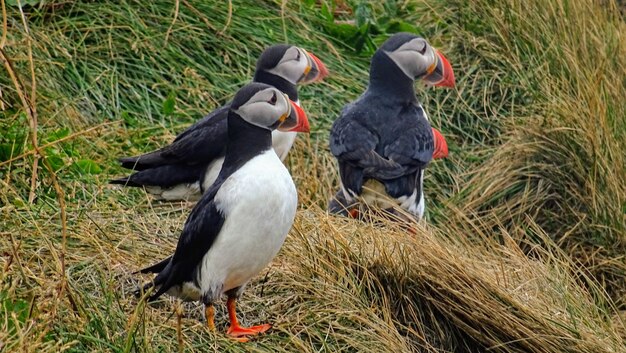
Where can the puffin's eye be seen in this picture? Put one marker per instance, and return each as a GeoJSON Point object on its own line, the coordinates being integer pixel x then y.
{"type": "Point", "coordinates": [272, 100]}
{"type": "Point", "coordinates": [298, 56]}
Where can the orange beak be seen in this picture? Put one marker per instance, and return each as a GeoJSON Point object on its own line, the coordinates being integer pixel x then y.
{"type": "Point", "coordinates": [297, 120]}
{"type": "Point", "coordinates": [441, 146]}
{"type": "Point", "coordinates": [318, 70]}
{"type": "Point", "coordinates": [442, 75]}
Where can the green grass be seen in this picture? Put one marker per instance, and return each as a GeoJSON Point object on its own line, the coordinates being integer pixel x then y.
{"type": "Point", "coordinates": [522, 250]}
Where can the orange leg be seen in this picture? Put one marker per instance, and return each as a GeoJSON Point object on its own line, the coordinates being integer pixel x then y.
{"type": "Point", "coordinates": [209, 314]}
{"type": "Point", "coordinates": [354, 213]}
{"type": "Point", "coordinates": [237, 331]}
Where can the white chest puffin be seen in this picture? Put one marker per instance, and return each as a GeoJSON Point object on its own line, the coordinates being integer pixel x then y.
{"type": "Point", "coordinates": [383, 140]}
{"type": "Point", "coordinates": [186, 168]}
{"type": "Point", "coordinates": [241, 221]}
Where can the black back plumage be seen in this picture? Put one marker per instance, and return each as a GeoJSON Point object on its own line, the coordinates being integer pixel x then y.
{"type": "Point", "coordinates": [268, 60]}
{"type": "Point", "coordinates": [383, 135]}
{"type": "Point", "coordinates": [185, 160]}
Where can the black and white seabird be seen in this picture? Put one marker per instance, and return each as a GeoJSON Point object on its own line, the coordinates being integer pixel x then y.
{"type": "Point", "coordinates": [242, 220]}
{"type": "Point", "coordinates": [186, 168]}
{"type": "Point", "coordinates": [383, 140]}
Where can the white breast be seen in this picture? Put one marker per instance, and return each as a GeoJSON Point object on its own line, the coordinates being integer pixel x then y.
{"type": "Point", "coordinates": [212, 171]}
{"type": "Point", "coordinates": [282, 142]}
{"type": "Point", "coordinates": [259, 205]}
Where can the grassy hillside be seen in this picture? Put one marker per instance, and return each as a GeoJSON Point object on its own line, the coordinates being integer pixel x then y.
{"type": "Point", "coordinates": [523, 245]}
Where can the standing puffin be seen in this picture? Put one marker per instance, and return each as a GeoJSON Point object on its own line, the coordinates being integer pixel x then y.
{"type": "Point", "coordinates": [383, 140]}
{"type": "Point", "coordinates": [186, 168]}
{"type": "Point", "coordinates": [242, 220]}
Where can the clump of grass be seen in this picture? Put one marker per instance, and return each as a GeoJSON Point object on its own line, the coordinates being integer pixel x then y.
{"type": "Point", "coordinates": [336, 285]}
{"type": "Point", "coordinates": [560, 164]}
{"type": "Point", "coordinates": [466, 296]}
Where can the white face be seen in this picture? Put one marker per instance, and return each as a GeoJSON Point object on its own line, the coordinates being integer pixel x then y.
{"type": "Point", "coordinates": [415, 58]}
{"type": "Point", "coordinates": [293, 65]}
{"type": "Point", "coordinates": [265, 108]}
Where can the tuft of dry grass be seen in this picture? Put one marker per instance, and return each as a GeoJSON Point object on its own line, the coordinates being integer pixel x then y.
{"type": "Point", "coordinates": [561, 166]}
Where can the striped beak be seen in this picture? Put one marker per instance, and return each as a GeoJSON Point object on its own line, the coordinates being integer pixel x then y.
{"type": "Point", "coordinates": [296, 120]}
{"type": "Point", "coordinates": [441, 74]}
{"type": "Point", "coordinates": [316, 72]}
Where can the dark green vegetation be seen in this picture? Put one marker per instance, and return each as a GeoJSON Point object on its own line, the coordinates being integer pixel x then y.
{"type": "Point", "coordinates": [524, 246]}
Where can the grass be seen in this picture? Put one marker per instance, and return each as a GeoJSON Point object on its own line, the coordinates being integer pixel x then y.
{"type": "Point", "coordinates": [522, 250]}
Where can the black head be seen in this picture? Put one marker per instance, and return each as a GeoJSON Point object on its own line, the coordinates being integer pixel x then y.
{"type": "Point", "coordinates": [416, 58]}
{"type": "Point", "coordinates": [291, 63]}
{"type": "Point", "coordinates": [265, 106]}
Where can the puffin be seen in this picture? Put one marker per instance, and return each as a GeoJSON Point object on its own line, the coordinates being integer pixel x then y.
{"type": "Point", "coordinates": [184, 169]}
{"type": "Point", "coordinates": [241, 221]}
{"type": "Point", "coordinates": [383, 141]}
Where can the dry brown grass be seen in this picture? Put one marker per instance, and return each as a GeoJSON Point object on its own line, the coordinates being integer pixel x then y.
{"type": "Point", "coordinates": [337, 284]}
{"type": "Point", "coordinates": [562, 166]}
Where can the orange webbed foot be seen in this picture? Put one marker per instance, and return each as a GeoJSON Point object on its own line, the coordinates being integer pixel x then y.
{"type": "Point", "coordinates": [238, 331]}
{"type": "Point", "coordinates": [235, 330]}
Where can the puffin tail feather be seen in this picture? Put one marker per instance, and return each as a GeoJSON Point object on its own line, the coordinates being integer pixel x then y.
{"type": "Point", "coordinates": [126, 181]}
{"type": "Point", "coordinates": [156, 295]}
{"type": "Point", "coordinates": [157, 282]}
{"type": "Point", "coordinates": [156, 268]}
{"type": "Point", "coordinates": [164, 282]}
{"type": "Point", "coordinates": [161, 277]}
{"type": "Point", "coordinates": [141, 290]}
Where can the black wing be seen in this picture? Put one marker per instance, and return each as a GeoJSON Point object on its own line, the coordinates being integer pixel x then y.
{"type": "Point", "coordinates": [205, 121]}
{"type": "Point", "coordinates": [413, 147]}
{"type": "Point", "coordinates": [163, 176]}
{"type": "Point", "coordinates": [354, 146]}
{"type": "Point", "coordinates": [199, 233]}
{"type": "Point", "coordinates": [201, 143]}
{"type": "Point", "coordinates": [349, 142]}
{"type": "Point", "coordinates": [156, 268]}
